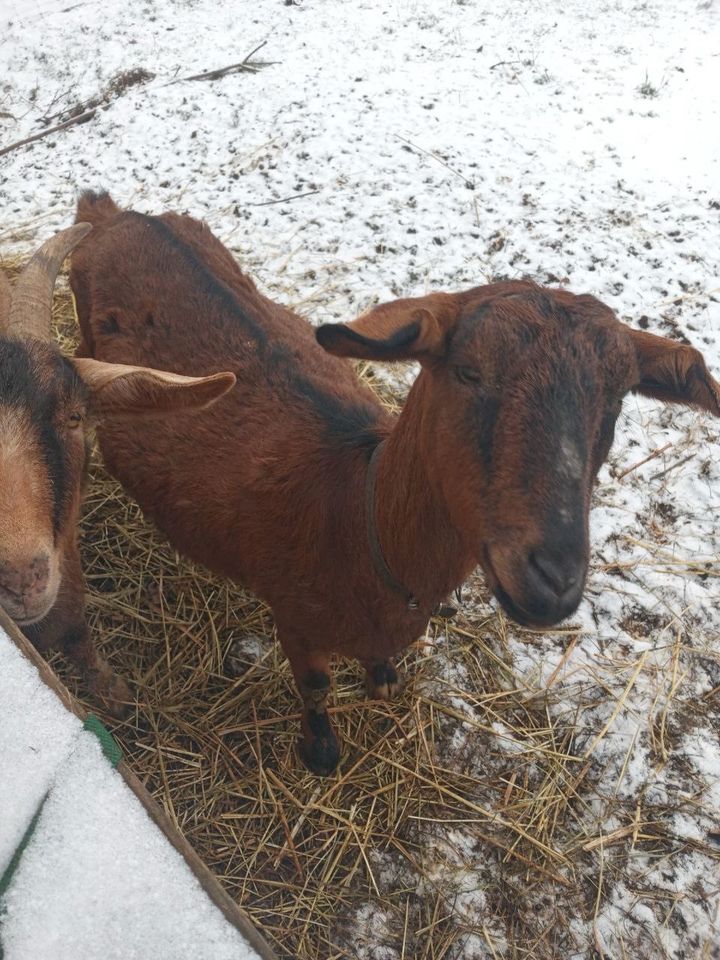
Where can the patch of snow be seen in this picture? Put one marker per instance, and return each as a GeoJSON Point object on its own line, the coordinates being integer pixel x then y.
{"type": "Point", "coordinates": [103, 878]}
{"type": "Point", "coordinates": [36, 735]}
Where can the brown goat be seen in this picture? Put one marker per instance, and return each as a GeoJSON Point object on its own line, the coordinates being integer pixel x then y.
{"type": "Point", "coordinates": [44, 402]}
{"type": "Point", "coordinates": [352, 524]}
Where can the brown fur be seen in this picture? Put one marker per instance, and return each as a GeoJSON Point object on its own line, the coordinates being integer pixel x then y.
{"type": "Point", "coordinates": [41, 581]}
{"type": "Point", "coordinates": [45, 403]}
{"type": "Point", "coordinates": [491, 462]}
{"type": "Point", "coordinates": [25, 506]}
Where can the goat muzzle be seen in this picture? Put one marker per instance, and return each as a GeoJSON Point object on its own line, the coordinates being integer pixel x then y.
{"type": "Point", "coordinates": [27, 588]}
{"type": "Point", "coordinates": [540, 588]}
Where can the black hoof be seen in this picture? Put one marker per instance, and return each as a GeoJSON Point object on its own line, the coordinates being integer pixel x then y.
{"type": "Point", "coordinates": [382, 681]}
{"type": "Point", "coordinates": [319, 748]}
{"type": "Point", "coordinates": [321, 755]}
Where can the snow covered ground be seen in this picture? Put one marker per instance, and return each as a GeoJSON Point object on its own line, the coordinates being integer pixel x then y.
{"type": "Point", "coordinates": [390, 148]}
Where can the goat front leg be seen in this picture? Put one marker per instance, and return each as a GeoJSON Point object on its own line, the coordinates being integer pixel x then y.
{"type": "Point", "coordinates": [102, 681]}
{"type": "Point", "coordinates": [382, 680]}
{"type": "Point", "coordinates": [319, 749]}
{"type": "Point", "coordinates": [65, 629]}
{"type": "Point", "coordinates": [77, 644]}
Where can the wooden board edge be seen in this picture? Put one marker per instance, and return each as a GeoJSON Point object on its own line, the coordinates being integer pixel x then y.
{"type": "Point", "coordinates": [202, 873]}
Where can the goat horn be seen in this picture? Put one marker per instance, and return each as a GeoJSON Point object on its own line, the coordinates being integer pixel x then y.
{"type": "Point", "coordinates": [5, 299]}
{"type": "Point", "coordinates": [31, 309]}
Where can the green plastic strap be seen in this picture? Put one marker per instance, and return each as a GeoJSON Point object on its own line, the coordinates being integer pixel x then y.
{"type": "Point", "coordinates": [109, 744]}
{"type": "Point", "coordinates": [15, 859]}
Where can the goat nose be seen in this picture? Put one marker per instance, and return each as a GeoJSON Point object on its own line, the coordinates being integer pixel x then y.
{"type": "Point", "coordinates": [559, 574]}
{"type": "Point", "coordinates": [554, 583]}
{"type": "Point", "coordinates": [25, 580]}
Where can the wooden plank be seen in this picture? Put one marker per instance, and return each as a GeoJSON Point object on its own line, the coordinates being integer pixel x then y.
{"type": "Point", "coordinates": [205, 877]}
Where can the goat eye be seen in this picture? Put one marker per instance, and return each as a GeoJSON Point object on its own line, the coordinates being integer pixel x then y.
{"type": "Point", "coordinates": [468, 375]}
{"type": "Point", "coordinates": [74, 420]}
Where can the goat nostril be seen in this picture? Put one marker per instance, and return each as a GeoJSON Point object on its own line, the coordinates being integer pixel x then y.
{"type": "Point", "coordinates": [541, 567]}
{"type": "Point", "coordinates": [550, 572]}
{"type": "Point", "coordinates": [39, 573]}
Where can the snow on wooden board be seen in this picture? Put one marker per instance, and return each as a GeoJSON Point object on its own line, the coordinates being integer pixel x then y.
{"type": "Point", "coordinates": [36, 736]}
{"type": "Point", "coordinates": [97, 877]}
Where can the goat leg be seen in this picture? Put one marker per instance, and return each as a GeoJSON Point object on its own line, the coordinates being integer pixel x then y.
{"type": "Point", "coordinates": [319, 749]}
{"type": "Point", "coordinates": [65, 629]}
{"type": "Point", "coordinates": [73, 638]}
{"type": "Point", "coordinates": [382, 680]}
{"type": "Point", "coordinates": [103, 683]}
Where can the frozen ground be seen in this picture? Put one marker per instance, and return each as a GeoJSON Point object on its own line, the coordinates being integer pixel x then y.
{"type": "Point", "coordinates": [392, 148]}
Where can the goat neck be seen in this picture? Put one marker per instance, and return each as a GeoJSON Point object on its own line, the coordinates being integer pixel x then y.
{"type": "Point", "coordinates": [419, 542]}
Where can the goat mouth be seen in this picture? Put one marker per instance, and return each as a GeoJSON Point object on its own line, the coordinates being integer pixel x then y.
{"type": "Point", "coordinates": [521, 616]}
{"type": "Point", "coordinates": [22, 617]}
{"type": "Point", "coordinates": [29, 621]}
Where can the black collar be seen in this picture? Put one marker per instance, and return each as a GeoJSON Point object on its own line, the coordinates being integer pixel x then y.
{"type": "Point", "coordinates": [379, 561]}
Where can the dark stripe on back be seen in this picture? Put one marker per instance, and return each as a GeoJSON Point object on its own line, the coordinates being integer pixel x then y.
{"type": "Point", "coordinates": [204, 278]}
{"type": "Point", "coordinates": [352, 424]}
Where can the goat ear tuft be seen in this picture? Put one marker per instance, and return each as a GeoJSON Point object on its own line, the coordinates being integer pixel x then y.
{"type": "Point", "coordinates": [675, 372]}
{"type": "Point", "coordinates": [411, 329]}
{"type": "Point", "coordinates": [118, 389]}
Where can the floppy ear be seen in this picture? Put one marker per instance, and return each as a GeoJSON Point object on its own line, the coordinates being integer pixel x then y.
{"type": "Point", "coordinates": [118, 389]}
{"type": "Point", "coordinates": [675, 372]}
{"type": "Point", "coordinates": [411, 329]}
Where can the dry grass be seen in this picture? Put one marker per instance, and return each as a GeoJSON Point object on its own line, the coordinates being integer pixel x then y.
{"type": "Point", "coordinates": [472, 790]}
